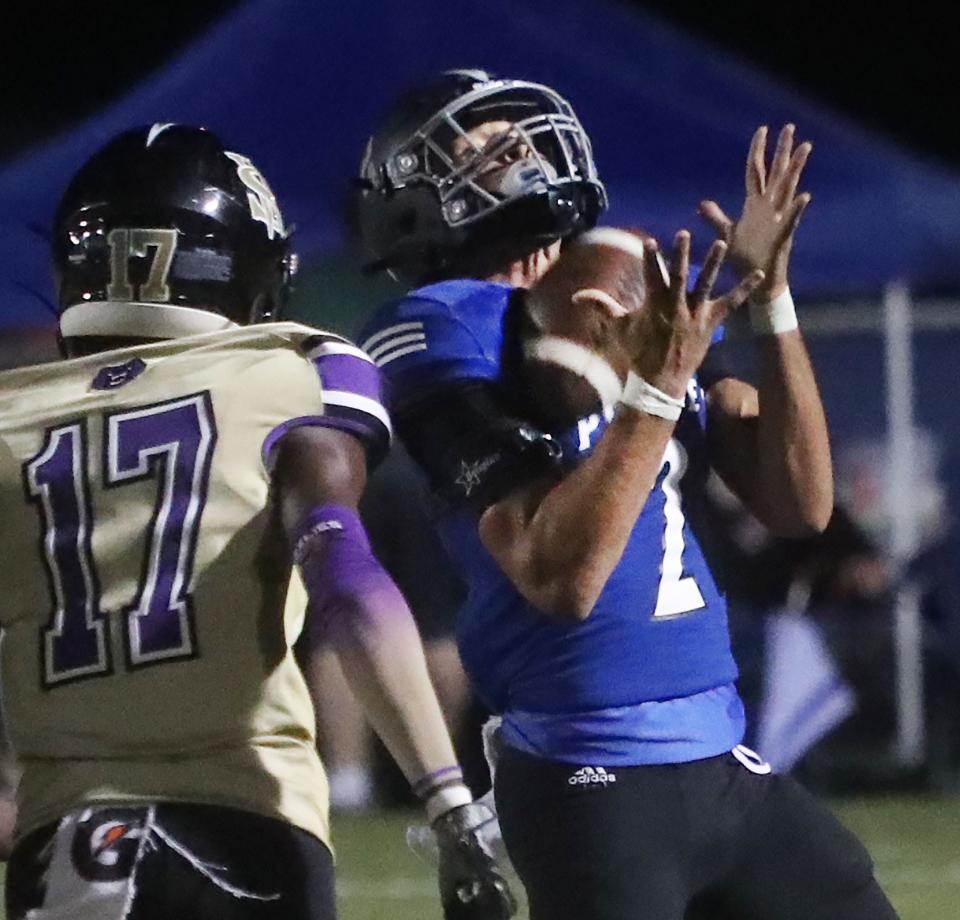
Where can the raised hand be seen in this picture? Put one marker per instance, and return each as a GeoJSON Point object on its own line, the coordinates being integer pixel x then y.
{"type": "Point", "coordinates": [669, 337]}
{"type": "Point", "coordinates": [763, 235]}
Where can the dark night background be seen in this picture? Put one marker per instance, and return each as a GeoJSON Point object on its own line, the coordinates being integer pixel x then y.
{"type": "Point", "coordinates": [894, 71]}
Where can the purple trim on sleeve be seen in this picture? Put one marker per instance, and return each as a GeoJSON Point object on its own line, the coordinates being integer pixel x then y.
{"type": "Point", "coordinates": [367, 429]}
{"type": "Point", "coordinates": [273, 438]}
{"type": "Point", "coordinates": [350, 373]}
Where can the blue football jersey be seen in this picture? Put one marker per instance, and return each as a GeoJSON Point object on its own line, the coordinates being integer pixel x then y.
{"type": "Point", "coordinates": [648, 677]}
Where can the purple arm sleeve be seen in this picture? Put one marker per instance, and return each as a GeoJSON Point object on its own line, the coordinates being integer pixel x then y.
{"type": "Point", "coordinates": [341, 574]}
{"type": "Point", "coordinates": [357, 609]}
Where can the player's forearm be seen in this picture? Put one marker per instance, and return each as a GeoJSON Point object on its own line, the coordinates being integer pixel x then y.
{"type": "Point", "coordinates": [382, 658]}
{"type": "Point", "coordinates": [560, 549]}
{"type": "Point", "coordinates": [795, 471]}
{"type": "Point", "coordinates": [356, 609]}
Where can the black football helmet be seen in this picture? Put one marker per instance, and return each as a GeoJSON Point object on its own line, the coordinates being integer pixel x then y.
{"type": "Point", "coordinates": [423, 209]}
{"type": "Point", "coordinates": [162, 233]}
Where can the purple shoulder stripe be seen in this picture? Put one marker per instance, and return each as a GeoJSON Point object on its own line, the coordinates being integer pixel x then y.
{"type": "Point", "coordinates": [344, 368]}
{"type": "Point", "coordinates": [352, 394]}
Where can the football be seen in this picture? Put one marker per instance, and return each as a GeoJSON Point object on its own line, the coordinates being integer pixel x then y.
{"type": "Point", "coordinates": [574, 360]}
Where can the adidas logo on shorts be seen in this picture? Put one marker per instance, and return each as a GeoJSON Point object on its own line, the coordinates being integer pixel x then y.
{"type": "Point", "coordinates": [590, 776]}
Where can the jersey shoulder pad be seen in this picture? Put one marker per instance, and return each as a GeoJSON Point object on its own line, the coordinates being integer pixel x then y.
{"type": "Point", "coordinates": [448, 331]}
{"type": "Point", "coordinates": [461, 292]}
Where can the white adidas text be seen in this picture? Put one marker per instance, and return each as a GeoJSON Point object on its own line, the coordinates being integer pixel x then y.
{"type": "Point", "coordinates": [587, 776]}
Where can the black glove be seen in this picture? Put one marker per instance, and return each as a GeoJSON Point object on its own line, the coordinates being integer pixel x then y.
{"type": "Point", "coordinates": [471, 884]}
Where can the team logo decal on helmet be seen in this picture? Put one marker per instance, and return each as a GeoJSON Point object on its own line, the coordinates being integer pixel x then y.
{"type": "Point", "coordinates": [263, 204]}
{"type": "Point", "coordinates": [431, 199]}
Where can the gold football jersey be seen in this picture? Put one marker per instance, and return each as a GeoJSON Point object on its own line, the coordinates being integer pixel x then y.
{"type": "Point", "coordinates": [147, 605]}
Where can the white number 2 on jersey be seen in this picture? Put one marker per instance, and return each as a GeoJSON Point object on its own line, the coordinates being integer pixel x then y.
{"type": "Point", "coordinates": [675, 594]}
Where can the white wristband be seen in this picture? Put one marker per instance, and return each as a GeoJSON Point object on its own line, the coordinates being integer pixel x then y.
{"type": "Point", "coordinates": [779, 315]}
{"type": "Point", "coordinates": [643, 396]}
{"type": "Point", "coordinates": [446, 798]}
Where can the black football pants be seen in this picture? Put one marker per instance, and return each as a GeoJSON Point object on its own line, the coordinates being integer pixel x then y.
{"type": "Point", "coordinates": [707, 840]}
{"type": "Point", "coordinates": [202, 863]}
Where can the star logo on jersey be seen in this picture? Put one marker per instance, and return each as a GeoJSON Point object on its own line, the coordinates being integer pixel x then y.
{"type": "Point", "coordinates": [471, 473]}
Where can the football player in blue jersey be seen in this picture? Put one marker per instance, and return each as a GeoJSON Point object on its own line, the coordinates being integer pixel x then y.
{"type": "Point", "coordinates": [178, 503]}
{"type": "Point", "coordinates": [593, 625]}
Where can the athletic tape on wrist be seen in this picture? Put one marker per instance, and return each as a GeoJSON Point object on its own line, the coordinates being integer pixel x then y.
{"type": "Point", "coordinates": [778, 315]}
{"type": "Point", "coordinates": [643, 396]}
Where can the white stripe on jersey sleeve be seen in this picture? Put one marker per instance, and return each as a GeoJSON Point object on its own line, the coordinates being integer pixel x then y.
{"type": "Point", "coordinates": [390, 344]}
{"type": "Point", "coordinates": [415, 326]}
{"type": "Point", "coordinates": [392, 356]}
{"type": "Point", "coordinates": [360, 403]}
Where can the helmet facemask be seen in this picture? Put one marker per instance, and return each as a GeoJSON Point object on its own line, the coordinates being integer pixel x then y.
{"type": "Point", "coordinates": [531, 184]}
{"type": "Point", "coordinates": [557, 152]}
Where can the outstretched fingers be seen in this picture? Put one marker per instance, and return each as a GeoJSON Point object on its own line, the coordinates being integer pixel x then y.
{"type": "Point", "coordinates": [680, 267]}
{"type": "Point", "coordinates": [708, 273]}
{"type": "Point", "coordinates": [714, 215]}
{"type": "Point", "coordinates": [791, 178]}
{"type": "Point", "coordinates": [655, 275]}
{"type": "Point", "coordinates": [781, 156]}
{"type": "Point", "coordinates": [756, 165]}
{"type": "Point", "coordinates": [792, 218]}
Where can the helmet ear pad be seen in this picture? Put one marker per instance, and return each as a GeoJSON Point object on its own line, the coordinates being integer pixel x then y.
{"type": "Point", "coordinates": [409, 225]}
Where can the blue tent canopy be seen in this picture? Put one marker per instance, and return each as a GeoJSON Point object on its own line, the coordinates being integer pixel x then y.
{"type": "Point", "coordinates": [298, 86]}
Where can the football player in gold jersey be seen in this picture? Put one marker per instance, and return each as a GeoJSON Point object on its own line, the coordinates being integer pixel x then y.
{"type": "Point", "coordinates": [174, 498]}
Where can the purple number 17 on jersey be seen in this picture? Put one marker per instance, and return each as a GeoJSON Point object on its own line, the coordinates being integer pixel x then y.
{"type": "Point", "coordinates": [171, 442]}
